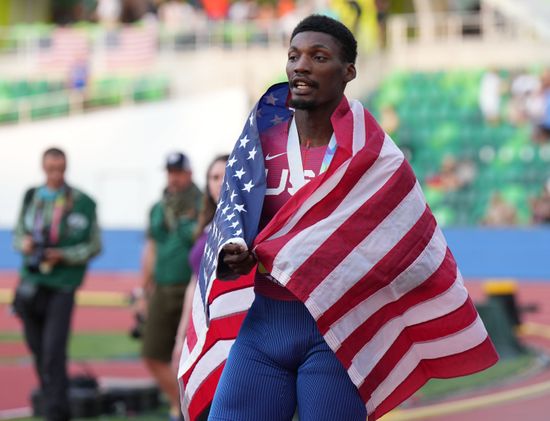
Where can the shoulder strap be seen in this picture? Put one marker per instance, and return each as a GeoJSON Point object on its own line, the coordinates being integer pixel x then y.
{"type": "Point", "coordinates": [70, 197]}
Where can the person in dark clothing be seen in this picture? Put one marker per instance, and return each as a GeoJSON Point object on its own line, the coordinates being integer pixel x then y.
{"type": "Point", "coordinates": [57, 233]}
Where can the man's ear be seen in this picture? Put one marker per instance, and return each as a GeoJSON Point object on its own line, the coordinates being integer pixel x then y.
{"type": "Point", "coordinates": [350, 72]}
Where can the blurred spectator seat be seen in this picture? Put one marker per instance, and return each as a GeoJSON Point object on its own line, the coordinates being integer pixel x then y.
{"type": "Point", "coordinates": [22, 100]}
{"type": "Point", "coordinates": [439, 117]}
{"type": "Point", "coordinates": [540, 206]}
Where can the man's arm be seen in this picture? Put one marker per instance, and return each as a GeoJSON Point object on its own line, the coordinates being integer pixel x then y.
{"type": "Point", "coordinates": [22, 241]}
{"type": "Point", "coordinates": [79, 253]}
{"type": "Point", "coordinates": [148, 264]}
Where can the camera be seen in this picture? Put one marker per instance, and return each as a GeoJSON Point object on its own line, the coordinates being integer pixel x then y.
{"type": "Point", "coordinates": [136, 300]}
{"type": "Point", "coordinates": [136, 331]}
{"type": "Point", "coordinates": [35, 261]}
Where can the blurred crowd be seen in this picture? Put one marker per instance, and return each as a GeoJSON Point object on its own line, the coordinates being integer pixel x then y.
{"type": "Point", "coordinates": [366, 20]}
{"type": "Point", "coordinates": [528, 100]}
{"type": "Point", "coordinates": [500, 212]}
{"type": "Point", "coordinates": [177, 14]}
{"type": "Point", "coordinates": [480, 141]}
{"type": "Point", "coordinates": [520, 98]}
{"type": "Point", "coordinates": [517, 99]}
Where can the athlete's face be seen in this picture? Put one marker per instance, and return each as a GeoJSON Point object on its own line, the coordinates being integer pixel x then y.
{"type": "Point", "coordinates": [316, 72]}
{"type": "Point", "coordinates": [215, 179]}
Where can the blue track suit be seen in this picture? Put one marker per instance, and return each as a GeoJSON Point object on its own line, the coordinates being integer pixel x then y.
{"type": "Point", "coordinates": [280, 361]}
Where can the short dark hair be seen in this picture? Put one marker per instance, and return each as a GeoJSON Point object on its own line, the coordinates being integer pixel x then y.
{"type": "Point", "coordinates": [55, 152]}
{"type": "Point", "coordinates": [339, 31]}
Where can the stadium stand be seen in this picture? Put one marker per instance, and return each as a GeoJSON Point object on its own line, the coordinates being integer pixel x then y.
{"type": "Point", "coordinates": [43, 98]}
{"type": "Point", "coordinates": [438, 118]}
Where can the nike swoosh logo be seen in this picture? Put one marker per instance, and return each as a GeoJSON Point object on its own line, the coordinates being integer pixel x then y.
{"type": "Point", "coordinates": [270, 157]}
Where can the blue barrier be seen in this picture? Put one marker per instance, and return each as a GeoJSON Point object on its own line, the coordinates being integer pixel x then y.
{"type": "Point", "coordinates": [121, 251]}
{"type": "Point", "coordinates": [522, 253]}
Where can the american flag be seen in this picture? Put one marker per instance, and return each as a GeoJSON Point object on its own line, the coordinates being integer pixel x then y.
{"type": "Point", "coordinates": [359, 246]}
{"type": "Point", "coordinates": [66, 48]}
{"type": "Point", "coordinates": [131, 48]}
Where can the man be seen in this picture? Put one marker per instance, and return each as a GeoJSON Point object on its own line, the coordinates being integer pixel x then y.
{"type": "Point", "coordinates": [57, 233]}
{"type": "Point", "coordinates": [167, 273]}
{"type": "Point", "coordinates": [357, 300]}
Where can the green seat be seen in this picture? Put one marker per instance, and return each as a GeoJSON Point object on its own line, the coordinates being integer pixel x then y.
{"type": "Point", "coordinates": [105, 92]}
{"type": "Point", "coordinates": [48, 107]}
{"type": "Point", "coordinates": [444, 215]}
{"type": "Point", "coordinates": [19, 89]}
{"type": "Point", "coordinates": [150, 89]}
{"type": "Point", "coordinates": [439, 115]}
{"type": "Point", "coordinates": [8, 111]}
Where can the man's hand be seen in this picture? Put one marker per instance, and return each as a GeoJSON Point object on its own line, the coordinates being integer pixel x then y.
{"type": "Point", "coordinates": [240, 260]}
{"type": "Point", "coordinates": [27, 244]}
{"type": "Point", "coordinates": [148, 267]}
{"type": "Point", "coordinates": [53, 256]}
{"type": "Point", "coordinates": [148, 287]}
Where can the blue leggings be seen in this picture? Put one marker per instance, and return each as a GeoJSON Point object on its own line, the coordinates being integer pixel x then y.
{"type": "Point", "coordinates": [279, 362]}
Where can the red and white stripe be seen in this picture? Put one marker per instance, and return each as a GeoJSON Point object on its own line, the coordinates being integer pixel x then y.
{"type": "Point", "coordinates": [359, 246]}
{"type": "Point", "coordinates": [207, 346]}
{"type": "Point", "coordinates": [137, 47]}
{"type": "Point", "coordinates": [68, 47]}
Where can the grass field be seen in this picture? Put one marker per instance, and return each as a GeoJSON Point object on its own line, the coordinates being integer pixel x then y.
{"type": "Point", "coordinates": [159, 415]}
{"type": "Point", "coordinates": [93, 346]}
{"type": "Point", "coordinates": [505, 369]}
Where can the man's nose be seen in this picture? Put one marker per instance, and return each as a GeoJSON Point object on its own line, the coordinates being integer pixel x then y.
{"type": "Point", "coordinates": [302, 65]}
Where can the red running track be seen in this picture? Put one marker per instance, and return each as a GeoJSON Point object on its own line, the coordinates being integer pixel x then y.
{"type": "Point", "coordinates": [18, 380]}
{"type": "Point", "coordinates": [21, 378]}
{"type": "Point", "coordinates": [528, 408]}
{"type": "Point", "coordinates": [16, 369]}
{"type": "Point", "coordinates": [85, 319]}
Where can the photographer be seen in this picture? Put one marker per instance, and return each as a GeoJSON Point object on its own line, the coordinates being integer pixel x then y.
{"type": "Point", "coordinates": [166, 272]}
{"type": "Point", "coordinates": [57, 234]}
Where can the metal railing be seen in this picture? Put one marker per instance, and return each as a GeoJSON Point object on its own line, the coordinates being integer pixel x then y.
{"type": "Point", "coordinates": [65, 102]}
{"type": "Point", "coordinates": [411, 29]}
{"type": "Point", "coordinates": [33, 39]}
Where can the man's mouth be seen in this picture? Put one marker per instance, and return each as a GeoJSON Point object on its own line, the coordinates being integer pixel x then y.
{"type": "Point", "coordinates": [302, 86]}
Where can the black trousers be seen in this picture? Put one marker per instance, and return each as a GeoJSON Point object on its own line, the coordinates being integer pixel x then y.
{"type": "Point", "coordinates": [47, 319]}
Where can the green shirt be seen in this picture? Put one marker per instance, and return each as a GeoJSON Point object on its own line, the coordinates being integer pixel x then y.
{"type": "Point", "coordinates": [79, 238]}
{"type": "Point", "coordinates": [172, 246]}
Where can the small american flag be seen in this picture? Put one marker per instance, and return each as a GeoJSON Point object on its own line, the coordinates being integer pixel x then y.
{"type": "Point", "coordinates": [359, 246]}
{"type": "Point", "coordinates": [131, 47]}
{"type": "Point", "coordinates": [66, 48]}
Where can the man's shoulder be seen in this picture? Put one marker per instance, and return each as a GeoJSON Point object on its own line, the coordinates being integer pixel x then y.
{"type": "Point", "coordinates": [195, 191]}
{"type": "Point", "coordinates": [156, 207]}
{"type": "Point", "coordinates": [81, 197]}
{"type": "Point", "coordinates": [30, 192]}
{"type": "Point", "coordinates": [28, 196]}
